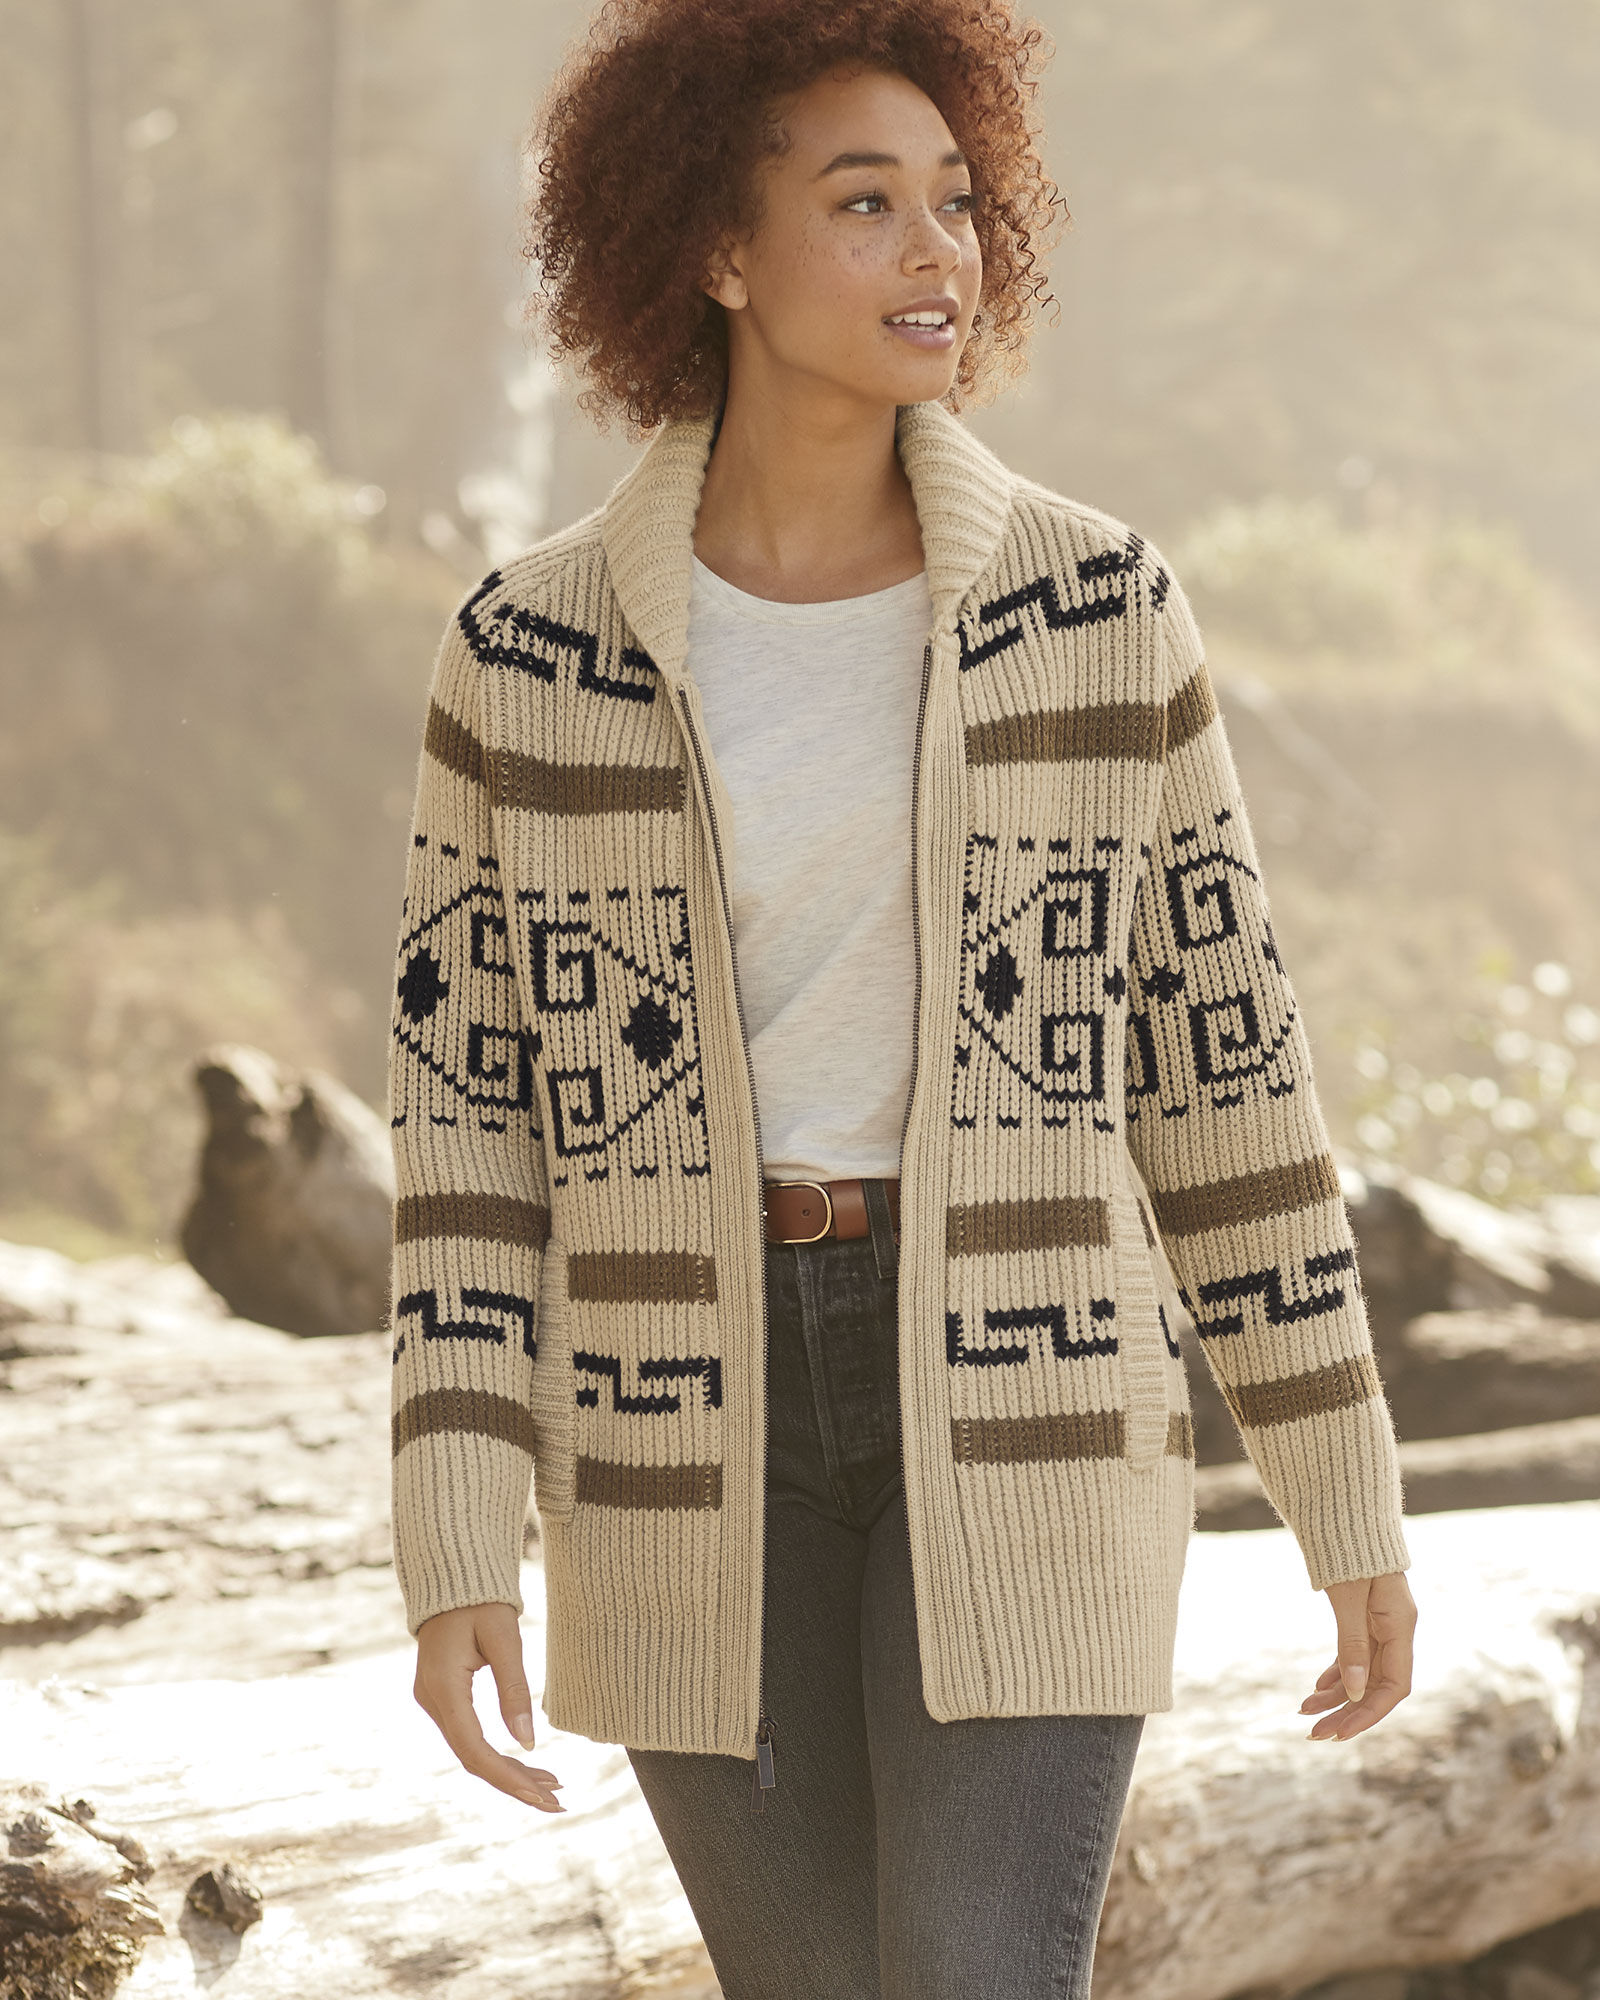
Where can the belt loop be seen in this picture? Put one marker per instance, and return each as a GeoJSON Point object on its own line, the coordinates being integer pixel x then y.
{"type": "Point", "coordinates": [884, 1247]}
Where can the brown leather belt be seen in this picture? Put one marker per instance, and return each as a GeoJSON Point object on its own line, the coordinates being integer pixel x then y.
{"type": "Point", "coordinates": [806, 1211]}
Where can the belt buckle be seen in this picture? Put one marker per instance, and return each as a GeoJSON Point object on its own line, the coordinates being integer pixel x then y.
{"type": "Point", "coordinates": [821, 1188]}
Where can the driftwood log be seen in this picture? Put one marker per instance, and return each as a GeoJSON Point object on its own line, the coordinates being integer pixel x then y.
{"type": "Point", "coordinates": [1250, 1862]}
{"type": "Point", "coordinates": [73, 1912]}
{"type": "Point", "coordinates": [382, 1868]}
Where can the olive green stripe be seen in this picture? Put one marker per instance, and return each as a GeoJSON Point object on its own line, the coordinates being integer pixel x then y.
{"type": "Point", "coordinates": [453, 744]}
{"type": "Point", "coordinates": [1066, 1434]}
{"type": "Point", "coordinates": [487, 1218]}
{"type": "Point", "coordinates": [1129, 731]}
{"type": "Point", "coordinates": [572, 790]}
{"type": "Point", "coordinates": [464, 1412]}
{"type": "Point", "coordinates": [980, 1229]}
{"type": "Point", "coordinates": [642, 1277]}
{"type": "Point", "coordinates": [647, 1488]}
{"type": "Point", "coordinates": [1190, 1211]}
{"type": "Point", "coordinates": [1180, 1435]}
{"type": "Point", "coordinates": [1190, 710]}
{"type": "Point", "coordinates": [1288, 1398]}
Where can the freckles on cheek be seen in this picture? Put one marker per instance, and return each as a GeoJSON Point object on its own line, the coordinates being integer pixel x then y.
{"type": "Point", "coordinates": [831, 272]}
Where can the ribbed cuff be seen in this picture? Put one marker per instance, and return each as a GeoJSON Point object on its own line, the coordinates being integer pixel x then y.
{"type": "Point", "coordinates": [460, 1506]}
{"type": "Point", "coordinates": [1354, 1549]}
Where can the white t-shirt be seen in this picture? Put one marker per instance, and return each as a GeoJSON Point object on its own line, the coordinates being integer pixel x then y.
{"type": "Point", "coordinates": [811, 711]}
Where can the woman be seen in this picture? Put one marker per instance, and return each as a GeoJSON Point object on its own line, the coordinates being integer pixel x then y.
{"type": "Point", "coordinates": [828, 869]}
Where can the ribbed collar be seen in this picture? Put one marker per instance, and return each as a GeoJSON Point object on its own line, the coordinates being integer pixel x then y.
{"type": "Point", "coordinates": [962, 493]}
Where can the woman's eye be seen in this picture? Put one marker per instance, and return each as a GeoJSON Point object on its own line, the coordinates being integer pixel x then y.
{"type": "Point", "coordinates": [857, 204]}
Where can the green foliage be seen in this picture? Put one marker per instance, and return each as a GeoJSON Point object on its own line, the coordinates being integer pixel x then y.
{"type": "Point", "coordinates": [1519, 1118]}
{"type": "Point", "coordinates": [214, 679]}
{"type": "Point", "coordinates": [1411, 602]}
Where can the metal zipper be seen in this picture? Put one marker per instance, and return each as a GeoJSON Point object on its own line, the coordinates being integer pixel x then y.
{"type": "Point", "coordinates": [765, 1776]}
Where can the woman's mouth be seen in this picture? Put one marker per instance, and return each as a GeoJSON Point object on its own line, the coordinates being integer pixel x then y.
{"type": "Point", "coordinates": [927, 328]}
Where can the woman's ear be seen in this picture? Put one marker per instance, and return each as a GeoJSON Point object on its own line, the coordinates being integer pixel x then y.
{"type": "Point", "coordinates": [724, 281]}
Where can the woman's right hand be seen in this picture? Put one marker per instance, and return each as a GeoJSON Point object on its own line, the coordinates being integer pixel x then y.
{"type": "Point", "coordinates": [451, 1647]}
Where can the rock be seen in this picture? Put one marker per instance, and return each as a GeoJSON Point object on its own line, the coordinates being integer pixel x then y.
{"type": "Point", "coordinates": [1423, 1247]}
{"type": "Point", "coordinates": [1427, 1248]}
{"type": "Point", "coordinates": [73, 1914]}
{"type": "Point", "coordinates": [1457, 1372]}
{"type": "Point", "coordinates": [42, 1292]}
{"type": "Point", "coordinates": [1532, 1982]}
{"type": "Point", "coordinates": [223, 1893]}
{"type": "Point", "coordinates": [1572, 1224]}
{"type": "Point", "coordinates": [293, 1215]}
{"type": "Point", "coordinates": [1365, 1986]}
{"type": "Point", "coordinates": [1525, 1466]}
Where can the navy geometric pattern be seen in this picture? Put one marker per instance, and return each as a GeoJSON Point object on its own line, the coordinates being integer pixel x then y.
{"type": "Point", "coordinates": [706, 1369]}
{"type": "Point", "coordinates": [1032, 1027]}
{"type": "Point", "coordinates": [424, 1304]}
{"type": "Point", "coordinates": [505, 634]}
{"type": "Point", "coordinates": [1211, 1014]}
{"type": "Point", "coordinates": [473, 1059]}
{"type": "Point", "coordinates": [613, 996]}
{"type": "Point", "coordinates": [1038, 1326]}
{"type": "Point", "coordinates": [1099, 592]}
{"type": "Point", "coordinates": [1279, 1303]}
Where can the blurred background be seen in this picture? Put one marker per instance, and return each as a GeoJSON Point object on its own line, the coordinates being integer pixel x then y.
{"type": "Point", "coordinates": [1329, 332]}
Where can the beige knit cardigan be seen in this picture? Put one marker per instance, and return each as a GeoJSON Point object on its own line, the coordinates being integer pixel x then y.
{"type": "Point", "coordinates": [579, 1276]}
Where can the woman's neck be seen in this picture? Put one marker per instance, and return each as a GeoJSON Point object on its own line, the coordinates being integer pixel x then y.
{"type": "Point", "coordinates": [803, 507]}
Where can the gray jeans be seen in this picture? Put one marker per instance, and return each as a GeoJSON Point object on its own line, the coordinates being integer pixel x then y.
{"type": "Point", "coordinates": [896, 1858]}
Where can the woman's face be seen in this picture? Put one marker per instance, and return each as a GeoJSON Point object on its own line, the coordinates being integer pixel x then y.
{"type": "Point", "coordinates": [865, 218]}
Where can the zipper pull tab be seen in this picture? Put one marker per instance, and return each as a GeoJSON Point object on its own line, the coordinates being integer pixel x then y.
{"type": "Point", "coordinates": [765, 1775]}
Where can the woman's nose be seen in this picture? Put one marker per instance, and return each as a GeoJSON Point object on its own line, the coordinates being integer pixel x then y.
{"type": "Point", "coordinates": [930, 243]}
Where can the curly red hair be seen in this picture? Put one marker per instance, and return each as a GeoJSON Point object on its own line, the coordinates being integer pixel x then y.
{"type": "Point", "coordinates": [664, 111]}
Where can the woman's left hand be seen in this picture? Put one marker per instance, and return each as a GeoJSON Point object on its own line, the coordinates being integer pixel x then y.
{"type": "Point", "coordinates": [1375, 1617]}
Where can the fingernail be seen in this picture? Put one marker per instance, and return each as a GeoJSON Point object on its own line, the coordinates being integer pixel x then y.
{"type": "Point", "coordinates": [1331, 1736]}
{"type": "Point", "coordinates": [1355, 1680]}
{"type": "Point", "coordinates": [522, 1730]}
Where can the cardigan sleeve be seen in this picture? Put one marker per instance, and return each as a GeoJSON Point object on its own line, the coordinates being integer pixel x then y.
{"type": "Point", "coordinates": [472, 1211]}
{"type": "Point", "coordinates": [1225, 1127]}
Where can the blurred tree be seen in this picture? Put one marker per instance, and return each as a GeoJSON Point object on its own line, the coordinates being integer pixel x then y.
{"type": "Point", "coordinates": [299, 206]}
{"type": "Point", "coordinates": [1315, 245]}
{"type": "Point", "coordinates": [311, 164]}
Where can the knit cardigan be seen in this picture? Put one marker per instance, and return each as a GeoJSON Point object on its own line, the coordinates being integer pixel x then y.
{"type": "Point", "coordinates": [579, 1253]}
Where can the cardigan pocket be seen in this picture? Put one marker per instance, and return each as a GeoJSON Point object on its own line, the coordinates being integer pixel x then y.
{"type": "Point", "coordinates": [1141, 1343]}
{"type": "Point", "coordinates": [555, 1410]}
